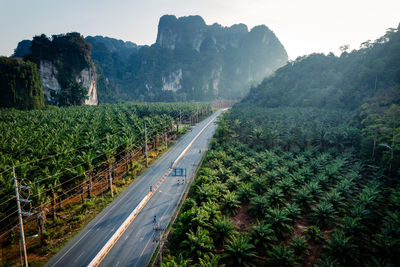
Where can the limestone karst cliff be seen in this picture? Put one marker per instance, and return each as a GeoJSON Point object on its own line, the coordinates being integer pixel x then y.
{"type": "Point", "coordinates": [67, 74]}
{"type": "Point", "coordinates": [51, 86]}
{"type": "Point", "coordinates": [190, 60]}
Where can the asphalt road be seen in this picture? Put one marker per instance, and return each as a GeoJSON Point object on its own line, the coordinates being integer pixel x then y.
{"type": "Point", "coordinates": [137, 244]}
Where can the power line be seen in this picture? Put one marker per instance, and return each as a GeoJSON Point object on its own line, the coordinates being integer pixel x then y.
{"type": "Point", "coordinates": [8, 215]}
{"type": "Point", "coordinates": [63, 152]}
{"type": "Point", "coordinates": [69, 169]}
{"type": "Point", "coordinates": [12, 198]}
{"type": "Point", "coordinates": [69, 180]}
{"type": "Point", "coordinates": [99, 178]}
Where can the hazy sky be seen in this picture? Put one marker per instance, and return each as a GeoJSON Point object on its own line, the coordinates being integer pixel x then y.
{"type": "Point", "coordinates": [303, 26]}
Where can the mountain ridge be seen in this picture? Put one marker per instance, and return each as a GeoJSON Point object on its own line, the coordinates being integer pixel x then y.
{"type": "Point", "coordinates": [190, 60]}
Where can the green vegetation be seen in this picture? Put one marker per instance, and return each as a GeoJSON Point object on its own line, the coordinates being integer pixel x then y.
{"type": "Point", "coordinates": [307, 201]}
{"type": "Point", "coordinates": [57, 149]}
{"type": "Point", "coordinates": [70, 53]}
{"type": "Point", "coordinates": [368, 75]}
{"type": "Point", "coordinates": [20, 84]}
{"type": "Point", "coordinates": [305, 169]}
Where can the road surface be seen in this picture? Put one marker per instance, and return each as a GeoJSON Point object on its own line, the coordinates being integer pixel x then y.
{"type": "Point", "coordinates": [136, 245]}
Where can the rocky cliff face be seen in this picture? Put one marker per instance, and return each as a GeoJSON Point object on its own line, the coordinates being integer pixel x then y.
{"type": "Point", "coordinates": [234, 56]}
{"type": "Point", "coordinates": [190, 61]}
{"type": "Point", "coordinates": [66, 68]}
{"type": "Point", "coordinates": [87, 77]}
{"type": "Point", "coordinates": [51, 86]}
{"type": "Point", "coordinates": [172, 82]}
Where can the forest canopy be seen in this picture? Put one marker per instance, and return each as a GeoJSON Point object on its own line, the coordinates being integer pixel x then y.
{"type": "Point", "coordinates": [20, 84]}
{"type": "Point", "coordinates": [347, 81]}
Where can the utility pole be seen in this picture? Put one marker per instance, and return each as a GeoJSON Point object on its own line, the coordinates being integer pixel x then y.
{"type": "Point", "coordinates": [145, 144]}
{"type": "Point", "coordinates": [21, 223]}
{"type": "Point", "coordinates": [197, 112]}
{"type": "Point", "coordinates": [166, 140]}
{"type": "Point", "coordinates": [110, 180]}
{"type": "Point", "coordinates": [180, 118]}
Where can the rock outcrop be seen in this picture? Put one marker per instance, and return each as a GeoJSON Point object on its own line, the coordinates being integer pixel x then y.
{"type": "Point", "coordinates": [190, 60]}
{"type": "Point", "coordinates": [87, 77]}
{"type": "Point", "coordinates": [51, 86]}
{"type": "Point", "coordinates": [65, 67]}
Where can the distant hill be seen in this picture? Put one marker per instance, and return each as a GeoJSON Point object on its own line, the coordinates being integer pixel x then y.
{"type": "Point", "coordinates": [363, 84]}
{"type": "Point", "coordinates": [371, 73]}
{"type": "Point", "coordinates": [189, 61]}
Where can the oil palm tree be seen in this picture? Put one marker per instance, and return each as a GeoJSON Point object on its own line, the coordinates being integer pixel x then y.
{"type": "Point", "coordinates": [233, 182]}
{"type": "Point", "coordinates": [258, 206]}
{"type": "Point", "coordinates": [299, 245]}
{"type": "Point", "coordinates": [245, 192]}
{"type": "Point", "coordinates": [263, 236]}
{"type": "Point", "coordinates": [230, 203]}
{"type": "Point", "coordinates": [341, 247]}
{"type": "Point", "coordinates": [287, 186]}
{"type": "Point", "coordinates": [275, 197]}
{"type": "Point", "coordinates": [281, 255]}
{"type": "Point", "coordinates": [198, 243]}
{"type": "Point", "coordinates": [314, 189]}
{"type": "Point", "coordinates": [324, 215]}
{"type": "Point", "coordinates": [304, 199]}
{"type": "Point", "coordinates": [279, 221]}
{"type": "Point", "coordinates": [314, 234]}
{"type": "Point", "coordinates": [260, 184]}
{"type": "Point", "coordinates": [334, 198]}
{"type": "Point", "coordinates": [222, 230]}
{"type": "Point", "coordinates": [208, 261]}
{"type": "Point", "coordinates": [239, 252]}
{"type": "Point", "coordinates": [292, 210]}
{"type": "Point", "coordinates": [205, 192]}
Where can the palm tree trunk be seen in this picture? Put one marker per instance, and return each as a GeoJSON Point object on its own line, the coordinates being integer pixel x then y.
{"type": "Point", "coordinates": [90, 186]}
{"type": "Point", "coordinates": [53, 204]}
{"type": "Point", "coordinates": [59, 202]}
{"type": "Point", "coordinates": [82, 197]}
{"type": "Point", "coordinates": [41, 217]}
{"type": "Point", "coordinates": [110, 180]}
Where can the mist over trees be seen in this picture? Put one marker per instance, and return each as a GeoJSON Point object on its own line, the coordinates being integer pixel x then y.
{"type": "Point", "coordinates": [189, 61]}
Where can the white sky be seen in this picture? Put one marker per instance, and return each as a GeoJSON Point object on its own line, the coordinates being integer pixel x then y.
{"type": "Point", "coordinates": [303, 26]}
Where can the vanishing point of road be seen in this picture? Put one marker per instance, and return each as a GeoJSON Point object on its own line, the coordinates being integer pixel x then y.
{"type": "Point", "coordinates": [138, 243]}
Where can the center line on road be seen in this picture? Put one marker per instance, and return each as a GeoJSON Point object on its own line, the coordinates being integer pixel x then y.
{"type": "Point", "coordinates": [79, 256]}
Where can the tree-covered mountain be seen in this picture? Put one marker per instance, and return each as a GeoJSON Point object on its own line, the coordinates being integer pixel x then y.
{"type": "Point", "coordinates": [347, 81]}
{"type": "Point", "coordinates": [20, 85]}
{"type": "Point", "coordinates": [67, 72]}
{"type": "Point", "coordinates": [189, 61]}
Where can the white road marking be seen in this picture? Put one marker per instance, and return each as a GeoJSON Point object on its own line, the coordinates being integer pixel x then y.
{"type": "Point", "coordinates": [79, 256]}
{"type": "Point", "coordinates": [115, 203]}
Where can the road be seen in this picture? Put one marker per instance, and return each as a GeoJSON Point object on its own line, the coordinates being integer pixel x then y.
{"type": "Point", "coordinates": [136, 245]}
